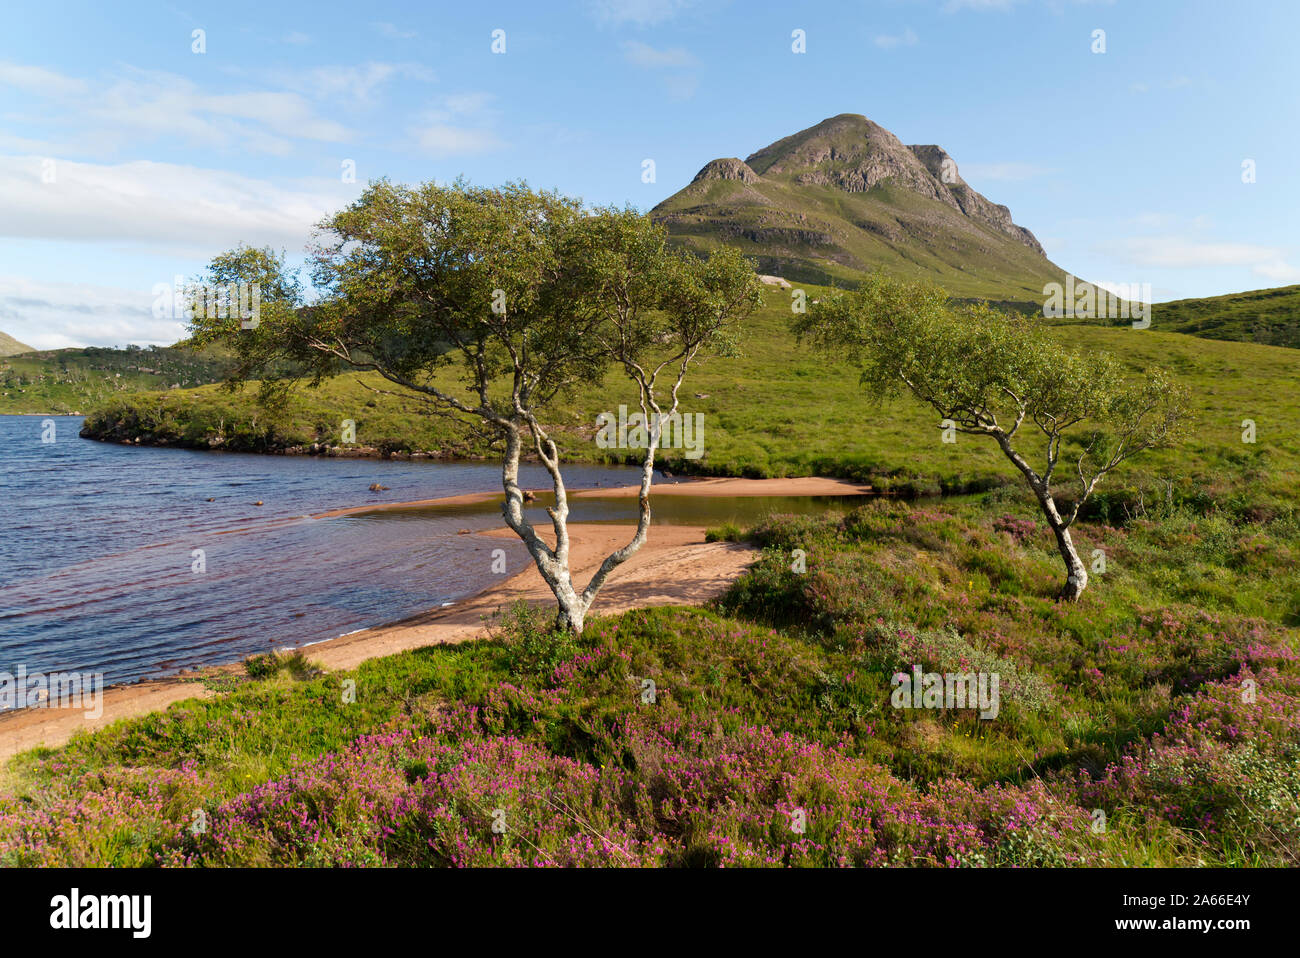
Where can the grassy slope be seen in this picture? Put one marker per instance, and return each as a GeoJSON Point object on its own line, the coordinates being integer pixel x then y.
{"type": "Point", "coordinates": [1270, 316]}
{"type": "Point", "coordinates": [824, 234]}
{"type": "Point", "coordinates": [782, 410]}
{"type": "Point", "coordinates": [75, 380]}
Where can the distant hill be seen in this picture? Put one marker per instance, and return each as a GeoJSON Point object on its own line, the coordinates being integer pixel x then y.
{"type": "Point", "coordinates": [75, 380]}
{"type": "Point", "coordinates": [11, 347]}
{"type": "Point", "coordinates": [1268, 316]}
{"type": "Point", "coordinates": [845, 196]}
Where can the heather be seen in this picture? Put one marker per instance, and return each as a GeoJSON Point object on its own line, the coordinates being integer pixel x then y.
{"type": "Point", "coordinates": [1155, 722]}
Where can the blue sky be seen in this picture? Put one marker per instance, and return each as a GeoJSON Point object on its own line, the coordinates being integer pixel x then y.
{"type": "Point", "coordinates": [127, 158]}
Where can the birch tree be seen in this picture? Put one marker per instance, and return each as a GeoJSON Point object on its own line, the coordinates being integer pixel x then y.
{"type": "Point", "coordinates": [1065, 419]}
{"type": "Point", "coordinates": [488, 305]}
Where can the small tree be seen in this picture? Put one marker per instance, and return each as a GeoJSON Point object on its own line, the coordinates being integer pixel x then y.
{"type": "Point", "coordinates": [487, 305]}
{"type": "Point", "coordinates": [990, 373]}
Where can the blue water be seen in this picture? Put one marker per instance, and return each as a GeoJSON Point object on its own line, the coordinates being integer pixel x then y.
{"type": "Point", "coordinates": [96, 542]}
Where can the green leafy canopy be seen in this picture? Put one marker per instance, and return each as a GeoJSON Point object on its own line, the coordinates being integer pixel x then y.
{"type": "Point", "coordinates": [992, 372]}
{"type": "Point", "coordinates": [527, 292]}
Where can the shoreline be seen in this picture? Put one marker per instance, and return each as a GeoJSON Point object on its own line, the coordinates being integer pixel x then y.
{"type": "Point", "coordinates": [675, 566]}
{"type": "Point", "coordinates": [710, 488]}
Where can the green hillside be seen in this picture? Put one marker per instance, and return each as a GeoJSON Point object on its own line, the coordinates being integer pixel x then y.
{"type": "Point", "coordinates": [72, 381]}
{"type": "Point", "coordinates": [1269, 316]}
{"type": "Point", "coordinates": [780, 410]}
{"type": "Point", "coordinates": [845, 196]}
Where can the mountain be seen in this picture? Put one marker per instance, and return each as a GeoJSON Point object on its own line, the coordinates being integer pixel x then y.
{"type": "Point", "coordinates": [845, 196]}
{"type": "Point", "coordinates": [1268, 316]}
{"type": "Point", "coordinates": [11, 347]}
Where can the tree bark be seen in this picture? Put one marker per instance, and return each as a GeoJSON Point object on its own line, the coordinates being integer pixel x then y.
{"type": "Point", "coordinates": [1076, 572]}
{"type": "Point", "coordinates": [571, 619]}
{"type": "Point", "coordinates": [553, 564]}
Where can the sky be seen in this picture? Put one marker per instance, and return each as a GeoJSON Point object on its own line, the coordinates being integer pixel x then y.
{"type": "Point", "coordinates": [133, 149]}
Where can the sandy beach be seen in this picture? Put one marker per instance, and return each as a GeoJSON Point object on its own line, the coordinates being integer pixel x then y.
{"type": "Point", "coordinates": [674, 567]}
{"type": "Point", "coordinates": [723, 487]}
{"type": "Point", "coordinates": [698, 488]}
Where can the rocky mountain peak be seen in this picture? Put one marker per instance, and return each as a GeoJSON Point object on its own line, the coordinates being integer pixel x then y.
{"type": "Point", "coordinates": [846, 196]}
{"type": "Point", "coordinates": [851, 153]}
{"type": "Point", "coordinates": [730, 168]}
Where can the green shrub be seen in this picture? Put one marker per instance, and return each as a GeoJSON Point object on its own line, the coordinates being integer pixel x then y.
{"type": "Point", "coordinates": [273, 663]}
{"type": "Point", "coordinates": [727, 532]}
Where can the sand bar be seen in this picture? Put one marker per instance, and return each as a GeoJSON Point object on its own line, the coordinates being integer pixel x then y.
{"type": "Point", "coordinates": [703, 488]}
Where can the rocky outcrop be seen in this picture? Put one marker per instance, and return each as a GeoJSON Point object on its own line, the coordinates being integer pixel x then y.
{"type": "Point", "coordinates": [944, 169]}
{"type": "Point", "coordinates": [851, 153]}
{"type": "Point", "coordinates": [848, 152]}
{"type": "Point", "coordinates": [730, 168]}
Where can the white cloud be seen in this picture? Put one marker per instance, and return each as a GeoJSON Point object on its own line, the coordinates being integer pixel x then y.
{"type": "Point", "coordinates": [294, 38]}
{"type": "Point", "coordinates": [22, 144]}
{"type": "Point", "coordinates": [38, 80]}
{"type": "Point", "coordinates": [167, 107]}
{"type": "Point", "coordinates": [59, 315]}
{"type": "Point", "coordinates": [889, 41]}
{"type": "Point", "coordinates": [460, 124]}
{"type": "Point", "coordinates": [135, 104]}
{"type": "Point", "coordinates": [679, 86]}
{"type": "Point", "coordinates": [189, 210]}
{"type": "Point", "coordinates": [158, 209]}
{"type": "Point", "coordinates": [467, 104]}
{"type": "Point", "coordinates": [286, 112]}
{"type": "Point", "coordinates": [642, 13]}
{"type": "Point", "coordinates": [1181, 253]}
{"type": "Point", "coordinates": [391, 31]}
{"type": "Point", "coordinates": [644, 55]}
{"type": "Point", "coordinates": [443, 139]}
{"type": "Point", "coordinates": [355, 85]}
{"type": "Point", "coordinates": [1278, 271]}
